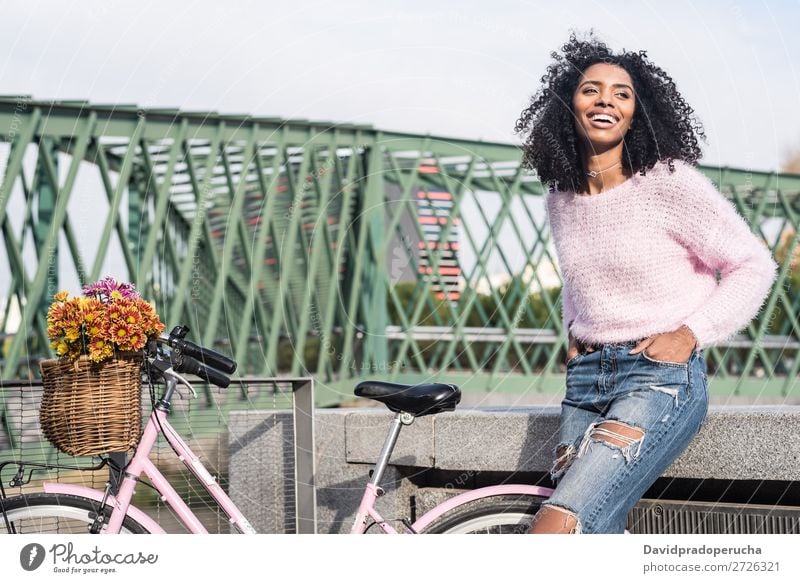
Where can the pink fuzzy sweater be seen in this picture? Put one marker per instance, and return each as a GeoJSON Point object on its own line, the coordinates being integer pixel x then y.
{"type": "Point", "coordinates": [640, 259]}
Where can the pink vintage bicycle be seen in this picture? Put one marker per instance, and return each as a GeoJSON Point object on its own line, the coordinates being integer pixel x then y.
{"type": "Point", "coordinates": [74, 508]}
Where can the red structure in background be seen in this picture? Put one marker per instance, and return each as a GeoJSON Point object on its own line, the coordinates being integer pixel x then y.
{"type": "Point", "coordinates": [434, 208]}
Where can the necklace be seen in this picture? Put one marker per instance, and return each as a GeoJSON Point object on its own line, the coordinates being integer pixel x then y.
{"type": "Point", "coordinates": [594, 173]}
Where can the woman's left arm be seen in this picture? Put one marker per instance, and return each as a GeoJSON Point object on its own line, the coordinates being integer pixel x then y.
{"type": "Point", "coordinates": [709, 226]}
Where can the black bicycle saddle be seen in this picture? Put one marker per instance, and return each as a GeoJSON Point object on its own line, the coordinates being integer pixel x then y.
{"type": "Point", "coordinates": [419, 400]}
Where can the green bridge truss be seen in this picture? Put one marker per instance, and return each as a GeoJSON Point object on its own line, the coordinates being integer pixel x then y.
{"type": "Point", "coordinates": [336, 250]}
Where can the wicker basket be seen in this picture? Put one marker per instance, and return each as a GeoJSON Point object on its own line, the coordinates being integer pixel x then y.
{"type": "Point", "coordinates": [91, 408]}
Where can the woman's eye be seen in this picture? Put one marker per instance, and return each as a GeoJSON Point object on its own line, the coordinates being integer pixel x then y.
{"type": "Point", "coordinates": [589, 90]}
{"type": "Point", "coordinates": [623, 95]}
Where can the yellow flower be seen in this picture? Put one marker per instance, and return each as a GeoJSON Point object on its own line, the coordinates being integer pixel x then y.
{"type": "Point", "coordinates": [100, 350]}
{"type": "Point", "coordinates": [61, 296]}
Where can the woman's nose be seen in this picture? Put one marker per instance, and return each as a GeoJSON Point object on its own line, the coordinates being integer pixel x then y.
{"type": "Point", "coordinates": [603, 100]}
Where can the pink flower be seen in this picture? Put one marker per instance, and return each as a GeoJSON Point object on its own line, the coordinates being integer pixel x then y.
{"type": "Point", "coordinates": [104, 289]}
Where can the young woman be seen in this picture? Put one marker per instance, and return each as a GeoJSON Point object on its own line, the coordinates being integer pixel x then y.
{"type": "Point", "coordinates": [639, 233]}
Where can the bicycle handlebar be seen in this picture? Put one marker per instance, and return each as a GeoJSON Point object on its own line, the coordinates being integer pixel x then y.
{"type": "Point", "coordinates": [191, 366]}
{"type": "Point", "coordinates": [206, 356]}
{"type": "Point", "coordinates": [191, 358]}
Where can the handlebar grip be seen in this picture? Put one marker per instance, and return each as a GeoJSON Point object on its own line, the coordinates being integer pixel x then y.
{"type": "Point", "coordinates": [213, 376]}
{"type": "Point", "coordinates": [208, 357]}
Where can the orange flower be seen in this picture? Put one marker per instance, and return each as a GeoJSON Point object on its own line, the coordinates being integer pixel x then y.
{"type": "Point", "coordinates": [115, 311]}
{"type": "Point", "coordinates": [119, 332]}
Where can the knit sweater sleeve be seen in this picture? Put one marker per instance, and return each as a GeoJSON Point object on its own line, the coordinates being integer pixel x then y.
{"type": "Point", "coordinates": [708, 225]}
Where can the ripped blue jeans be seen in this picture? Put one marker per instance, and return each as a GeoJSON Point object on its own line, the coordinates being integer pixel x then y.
{"type": "Point", "coordinates": [600, 470]}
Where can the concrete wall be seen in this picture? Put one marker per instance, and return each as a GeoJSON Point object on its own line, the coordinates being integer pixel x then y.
{"type": "Point", "coordinates": [441, 455]}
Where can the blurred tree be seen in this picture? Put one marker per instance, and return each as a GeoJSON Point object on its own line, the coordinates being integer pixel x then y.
{"type": "Point", "coordinates": [791, 162]}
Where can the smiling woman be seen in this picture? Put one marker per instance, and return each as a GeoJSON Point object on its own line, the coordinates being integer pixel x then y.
{"type": "Point", "coordinates": [640, 234]}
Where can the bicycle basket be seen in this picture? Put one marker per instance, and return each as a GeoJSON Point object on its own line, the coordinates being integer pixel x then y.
{"type": "Point", "coordinates": [90, 408]}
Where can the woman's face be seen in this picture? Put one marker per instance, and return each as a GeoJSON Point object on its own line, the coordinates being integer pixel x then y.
{"type": "Point", "coordinates": [603, 105]}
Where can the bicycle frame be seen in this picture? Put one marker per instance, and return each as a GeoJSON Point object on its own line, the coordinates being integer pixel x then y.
{"type": "Point", "coordinates": [141, 464]}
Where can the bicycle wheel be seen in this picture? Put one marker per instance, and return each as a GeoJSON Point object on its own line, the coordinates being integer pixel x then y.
{"type": "Point", "coordinates": [509, 514]}
{"type": "Point", "coordinates": [57, 514]}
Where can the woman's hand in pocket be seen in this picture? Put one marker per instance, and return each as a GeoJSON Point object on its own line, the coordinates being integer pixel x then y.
{"type": "Point", "coordinates": [576, 347]}
{"type": "Point", "coordinates": [675, 346]}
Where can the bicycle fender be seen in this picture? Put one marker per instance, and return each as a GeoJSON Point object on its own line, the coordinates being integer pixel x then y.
{"type": "Point", "coordinates": [84, 492]}
{"type": "Point", "coordinates": [486, 492]}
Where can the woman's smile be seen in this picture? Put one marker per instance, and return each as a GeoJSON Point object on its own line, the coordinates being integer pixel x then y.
{"type": "Point", "coordinates": [602, 119]}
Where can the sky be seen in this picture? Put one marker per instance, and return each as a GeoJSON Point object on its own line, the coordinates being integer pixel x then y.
{"type": "Point", "coordinates": [461, 69]}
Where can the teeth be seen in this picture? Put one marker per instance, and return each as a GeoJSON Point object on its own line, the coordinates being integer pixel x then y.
{"type": "Point", "coordinates": [603, 117]}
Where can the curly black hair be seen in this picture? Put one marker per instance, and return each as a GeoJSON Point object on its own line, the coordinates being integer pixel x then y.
{"type": "Point", "coordinates": [663, 126]}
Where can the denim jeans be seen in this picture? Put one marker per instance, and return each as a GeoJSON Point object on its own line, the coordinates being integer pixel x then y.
{"type": "Point", "coordinates": [600, 481]}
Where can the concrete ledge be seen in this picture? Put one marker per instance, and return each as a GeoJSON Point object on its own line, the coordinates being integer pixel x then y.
{"type": "Point", "coordinates": [735, 443]}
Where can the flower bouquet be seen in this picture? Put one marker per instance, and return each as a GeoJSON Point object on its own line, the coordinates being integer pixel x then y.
{"type": "Point", "coordinates": [91, 402]}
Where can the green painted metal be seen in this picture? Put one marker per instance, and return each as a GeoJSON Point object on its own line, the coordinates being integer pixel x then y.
{"type": "Point", "coordinates": [309, 314]}
{"type": "Point", "coordinates": [46, 204]}
{"type": "Point", "coordinates": [337, 250]}
{"type": "Point", "coordinates": [49, 245]}
{"type": "Point", "coordinates": [198, 224]}
{"type": "Point", "coordinates": [19, 143]}
{"type": "Point", "coordinates": [233, 223]}
{"type": "Point", "coordinates": [265, 231]}
{"type": "Point", "coordinates": [116, 200]}
{"type": "Point", "coordinates": [331, 307]}
{"type": "Point", "coordinates": [162, 201]}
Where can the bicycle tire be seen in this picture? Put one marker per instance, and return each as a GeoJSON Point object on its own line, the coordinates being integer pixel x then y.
{"type": "Point", "coordinates": [57, 514]}
{"type": "Point", "coordinates": [506, 514]}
